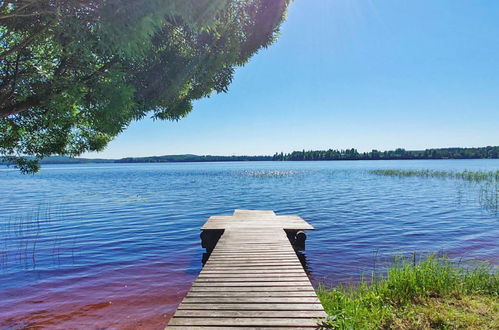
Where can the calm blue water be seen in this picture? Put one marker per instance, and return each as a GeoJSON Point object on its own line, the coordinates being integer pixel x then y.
{"type": "Point", "coordinates": [86, 244]}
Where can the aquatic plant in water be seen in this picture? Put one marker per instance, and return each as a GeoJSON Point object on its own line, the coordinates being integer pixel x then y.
{"type": "Point", "coordinates": [489, 196]}
{"type": "Point", "coordinates": [488, 182]}
{"type": "Point", "coordinates": [474, 176]}
{"type": "Point", "coordinates": [24, 237]}
{"type": "Point", "coordinates": [269, 173]}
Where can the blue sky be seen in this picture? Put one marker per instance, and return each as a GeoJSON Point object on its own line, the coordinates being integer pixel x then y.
{"type": "Point", "coordinates": [365, 74]}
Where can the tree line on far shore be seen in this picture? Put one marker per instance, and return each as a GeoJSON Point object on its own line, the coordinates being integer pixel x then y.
{"type": "Point", "coordinates": [331, 154]}
{"type": "Point", "coordinates": [191, 158]}
{"type": "Point", "coordinates": [353, 154]}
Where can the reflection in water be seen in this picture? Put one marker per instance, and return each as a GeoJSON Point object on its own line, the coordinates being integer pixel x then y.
{"type": "Point", "coordinates": [304, 262]}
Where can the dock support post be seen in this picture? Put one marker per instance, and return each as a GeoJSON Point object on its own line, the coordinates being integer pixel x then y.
{"type": "Point", "coordinates": [300, 239]}
{"type": "Point", "coordinates": [297, 238]}
{"type": "Point", "coordinates": [209, 239]}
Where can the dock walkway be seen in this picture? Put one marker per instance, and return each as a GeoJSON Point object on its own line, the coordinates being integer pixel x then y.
{"type": "Point", "coordinates": [253, 278]}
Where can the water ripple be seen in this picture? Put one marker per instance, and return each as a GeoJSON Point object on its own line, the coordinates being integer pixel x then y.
{"type": "Point", "coordinates": [83, 245]}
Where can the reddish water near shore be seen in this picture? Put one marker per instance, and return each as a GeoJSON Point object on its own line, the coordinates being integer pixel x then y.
{"type": "Point", "coordinates": [116, 246]}
{"type": "Point", "coordinates": [142, 297]}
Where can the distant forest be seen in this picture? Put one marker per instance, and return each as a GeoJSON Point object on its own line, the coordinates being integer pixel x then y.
{"type": "Point", "coordinates": [348, 154]}
{"type": "Point", "coordinates": [151, 159]}
{"type": "Point", "coordinates": [353, 154]}
{"type": "Point", "coordinates": [191, 158]}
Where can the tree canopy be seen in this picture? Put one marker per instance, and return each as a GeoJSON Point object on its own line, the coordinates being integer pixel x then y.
{"type": "Point", "coordinates": [76, 73]}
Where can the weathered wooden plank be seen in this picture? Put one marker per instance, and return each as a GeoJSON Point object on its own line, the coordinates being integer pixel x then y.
{"type": "Point", "coordinates": [249, 279]}
{"type": "Point", "coordinates": [251, 258]}
{"type": "Point", "coordinates": [269, 251]}
{"type": "Point", "coordinates": [227, 294]}
{"type": "Point", "coordinates": [256, 220]}
{"type": "Point", "coordinates": [250, 284]}
{"type": "Point", "coordinates": [285, 226]}
{"type": "Point", "coordinates": [248, 252]}
{"type": "Point", "coordinates": [257, 243]}
{"type": "Point", "coordinates": [243, 276]}
{"type": "Point", "coordinates": [282, 272]}
{"type": "Point", "coordinates": [255, 288]}
{"type": "Point", "coordinates": [253, 212]}
{"type": "Point", "coordinates": [256, 224]}
{"type": "Point", "coordinates": [251, 254]}
{"type": "Point", "coordinates": [254, 268]}
{"type": "Point", "coordinates": [254, 307]}
{"type": "Point", "coordinates": [249, 262]}
{"type": "Point", "coordinates": [253, 314]}
{"type": "Point", "coordinates": [249, 241]}
{"type": "Point", "coordinates": [277, 225]}
{"type": "Point", "coordinates": [251, 300]}
{"type": "Point", "coordinates": [255, 322]}
{"type": "Point", "coordinates": [237, 271]}
{"type": "Point", "coordinates": [187, 327]}
{"type": "Point", "coordinates": [237, 263]}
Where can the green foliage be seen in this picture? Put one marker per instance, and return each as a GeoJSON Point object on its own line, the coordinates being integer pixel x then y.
{"type": "Point", "coordinates": [353, 154]}
{"type": "Point", "coordinates": [74, 74]}
{"type": "Point", "coordinates": [380, 303]}
{"type": "Point", "coordinates": [25, 165]}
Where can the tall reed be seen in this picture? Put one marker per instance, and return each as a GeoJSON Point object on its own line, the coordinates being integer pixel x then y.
{"type": "Point", "coordinates": [487, 181]}
{"type": "Point", "coordinates": [474, 176]}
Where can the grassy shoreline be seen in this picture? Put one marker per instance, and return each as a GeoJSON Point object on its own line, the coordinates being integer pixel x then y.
{"type": "Point", "coordinates": [431, 294]}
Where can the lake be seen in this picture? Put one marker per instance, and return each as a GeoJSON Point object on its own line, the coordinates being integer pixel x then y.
{"type": "Point", "coordinates": [117, 245]}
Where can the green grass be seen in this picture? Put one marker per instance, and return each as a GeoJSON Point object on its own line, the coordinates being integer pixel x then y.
{"type": "Point", "coordinates": [431, 294]}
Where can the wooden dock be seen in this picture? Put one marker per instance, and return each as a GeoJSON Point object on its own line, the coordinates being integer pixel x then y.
{"type": "Point", "coordinates": [253, 278]}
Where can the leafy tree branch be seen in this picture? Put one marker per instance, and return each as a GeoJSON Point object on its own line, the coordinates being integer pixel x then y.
{"type": "Point", "coordinates": [76, 73]}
